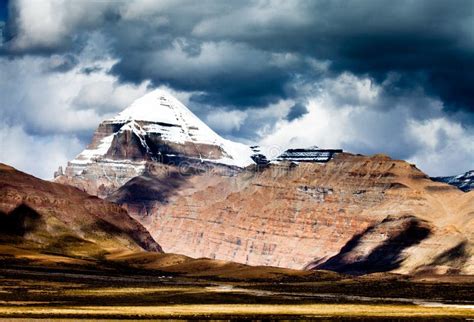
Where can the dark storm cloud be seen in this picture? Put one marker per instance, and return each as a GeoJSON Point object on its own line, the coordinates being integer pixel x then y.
{"type": "Point", "coordinates": [3, 19]}
{"type": "Point", "coordinates": [224, 73]}
{"type": "Point", "coordinates": [428, 43]}
{"type": "Point", "coordinates": [91, 69]}
{"type": "Point", "coordinates": [296, 111]}
{"type": "Point", "coordinates": [3, 10]}
{"type": "Point", "coordinates": [225, 50]}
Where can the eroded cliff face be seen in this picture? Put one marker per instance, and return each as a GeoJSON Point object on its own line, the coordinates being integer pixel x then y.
{"type": "Point", "coordinates": [353, 214]}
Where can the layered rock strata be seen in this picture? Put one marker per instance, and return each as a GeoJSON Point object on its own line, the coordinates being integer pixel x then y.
{"type": "Point", "coordinates": [349, 214]}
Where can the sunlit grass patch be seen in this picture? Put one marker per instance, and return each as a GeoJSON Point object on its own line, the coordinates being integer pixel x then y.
{"type": "Point", "coordinates": [129, 291]}
{"type": "Point", "coordinates": [236, 310]}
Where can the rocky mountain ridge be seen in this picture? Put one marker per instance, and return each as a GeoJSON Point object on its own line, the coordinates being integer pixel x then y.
{"type": "Point", "coordinates": [353, 214]}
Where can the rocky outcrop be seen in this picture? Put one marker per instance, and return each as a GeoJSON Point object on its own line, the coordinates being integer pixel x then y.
{"type": "Point", "coordinates": [353, 214]}
{"type": "Point", "coordinates": [61, 219]}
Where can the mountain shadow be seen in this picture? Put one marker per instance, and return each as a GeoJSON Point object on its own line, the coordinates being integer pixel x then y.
{"type": "Point", "coordinates": [455, 257]}
{"type": "Point", "coordinates": [148, 189]}
{"type": "Point", "coordinates": [19, 221]}
{"type": "Point", "coordinates": [404, 232]}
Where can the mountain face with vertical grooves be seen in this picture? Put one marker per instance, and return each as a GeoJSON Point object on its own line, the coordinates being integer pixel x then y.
{"type": "Point", "coordinates": [156, 128]}
{"type": "Point", "coordinates": [464, 181]}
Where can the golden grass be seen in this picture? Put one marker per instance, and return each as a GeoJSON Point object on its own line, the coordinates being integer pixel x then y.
{"type": "Point", "coordinates": [38, 257]}
{"type": "Point", "coordinates": [129, 291]}
{"type": "Point", "coordinates": [340, 310]}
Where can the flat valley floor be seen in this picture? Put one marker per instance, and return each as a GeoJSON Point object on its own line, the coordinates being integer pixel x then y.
{"type": "Point", "coordinates": [114, 290]}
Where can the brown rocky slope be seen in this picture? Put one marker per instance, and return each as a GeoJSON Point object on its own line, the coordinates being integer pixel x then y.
{"type": "Point", "coordinates": [353, 214]}
{"type": "Point", "coordinates": [59, 219]}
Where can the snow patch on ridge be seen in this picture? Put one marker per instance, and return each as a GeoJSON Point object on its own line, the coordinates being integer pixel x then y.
{"type": "Point", "coordinates": [89, 155]}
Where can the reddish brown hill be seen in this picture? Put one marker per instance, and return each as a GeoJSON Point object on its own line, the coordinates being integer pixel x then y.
{"type": "Point", "coordinates": [354, 214]}
{"type": "Point", "coordinates": [61, 219]}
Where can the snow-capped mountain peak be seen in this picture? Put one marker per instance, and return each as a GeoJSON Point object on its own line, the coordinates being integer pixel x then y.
{"type": "Point", "coordinates": [160, 107]}
{"type": "Point", "coordinates": [155, 128]}
{"type": "Point", "coordinates": [161, 123]}
{"type": "Point", "coordinates": [165, 114]}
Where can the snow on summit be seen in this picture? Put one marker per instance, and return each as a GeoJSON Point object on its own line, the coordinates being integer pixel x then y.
{"type": "Point", "coordinates": [164, 110]}
{"type": "Point", "coordinates": [158, 113]}
{"type": "Point", "coordinates": [156, 106]}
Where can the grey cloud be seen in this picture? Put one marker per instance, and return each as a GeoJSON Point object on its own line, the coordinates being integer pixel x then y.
{"type": "Point", "coordinates": [91, 69]}
{"type": "Point", "coordinates": [296, 111]}
{"type": "Point", "coordinates": [428, 42]}
{"type": "Point", "coordinates": [225, 73]}
{"type": "Point", "coordinates": [382, 124]}
{"type": "Point", "coordinates": [425, 42]}
{"type": "Point", "coordinates": [37, 154]}
{"type": "Point", "coordinates": [46, 102]}
{"type": "Point", "coordinates": [61, 63]}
